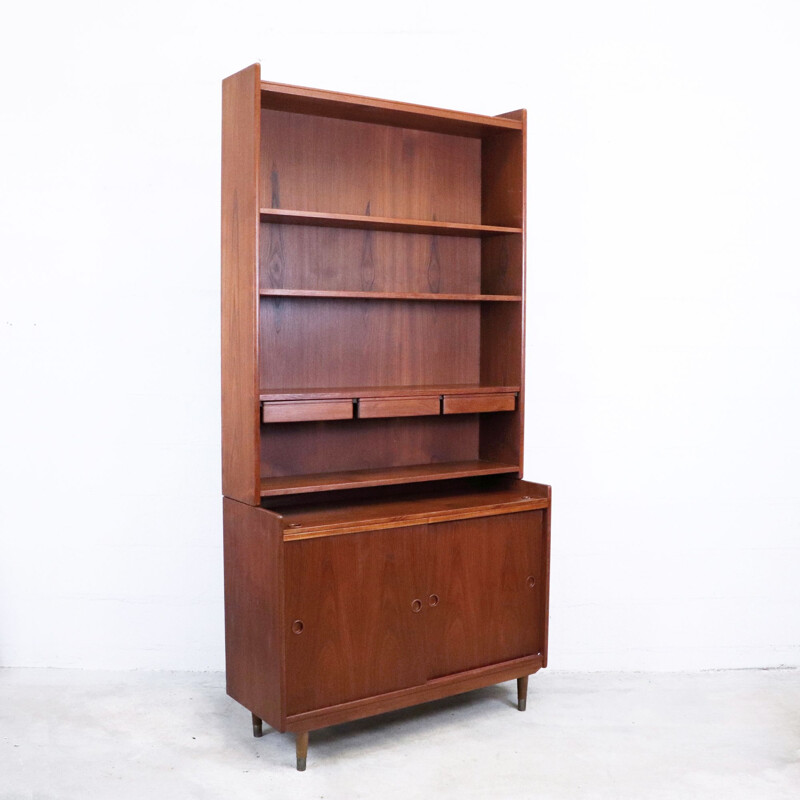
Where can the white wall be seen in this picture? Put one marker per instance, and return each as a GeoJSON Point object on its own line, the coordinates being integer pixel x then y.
{"type": "Point", "coordinates": [663, 387]}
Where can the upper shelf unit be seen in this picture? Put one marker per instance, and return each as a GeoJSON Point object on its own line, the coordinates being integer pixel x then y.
{"type": "Point", "coordinates": [338, 105]}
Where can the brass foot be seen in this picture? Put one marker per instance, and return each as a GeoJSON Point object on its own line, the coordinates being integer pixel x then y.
{"type": "Point", "coordinates": [257, 729]}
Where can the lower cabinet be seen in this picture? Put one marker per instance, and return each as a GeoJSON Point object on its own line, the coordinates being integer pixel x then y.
{"type": "Point", "coordinates": [378, 611]}
{"type": "Point", "coordinates": [337, 622]}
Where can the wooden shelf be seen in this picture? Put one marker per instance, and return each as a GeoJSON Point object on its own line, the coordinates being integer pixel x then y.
{"type": "Point", "coordinates": [461, 298]}
{"type": "Point", "coordinates": [302, 100]}
{"type": "Point", "coordinates": [326, 220]}
{"type": "Point", "coordinates": [354, 479]}
{"type": "Point", "coordinates": [332, 518]}
{"type": "Point", "coordinates": [352, 392]}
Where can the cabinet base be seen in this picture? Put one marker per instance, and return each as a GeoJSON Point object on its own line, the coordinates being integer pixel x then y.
{"type": "Point", "coordinates": [301, 736]}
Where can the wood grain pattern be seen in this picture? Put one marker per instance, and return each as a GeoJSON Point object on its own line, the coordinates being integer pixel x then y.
{"type": "Point", "coordinates": [476, 403]}
{"type": "Point", "coordinates": [305, 410]}
{"type": "Point", "coordinates": [398, 406]}
{"type": "Point", "coordinates": [325, 342]}
{"type": "Point", "coordinates": [501, 264]}
{"type": "Point", "coordinates": [360, 636]}
{"type": "Point", "coordinates": [325, 167]}
{"type": "Point", "coordinates": [487, 613]}
{"type": "Point", "coordinates": [352, 260]}
{"type": "Point", "coordinates": [367, 444]}
{"type": "Point", "coordinates": [304, 100]}
{"type": "Point", "coordinates": [240, 225]}
{"type": "Point", "coordinates": [253, 551]}
{"type": "Point", "coordinates": [416, 473]}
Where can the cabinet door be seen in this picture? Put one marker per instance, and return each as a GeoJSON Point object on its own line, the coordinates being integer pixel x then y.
{"type": "Point", "coordinates": [486, 595]}
{"type": "Point", "coordinates": [352, 629]}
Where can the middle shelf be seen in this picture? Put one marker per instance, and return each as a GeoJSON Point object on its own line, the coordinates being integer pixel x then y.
{"type": "Point", "coordinates": [456, 297]}
{"type": "Point", "coordinates": [367, 222]}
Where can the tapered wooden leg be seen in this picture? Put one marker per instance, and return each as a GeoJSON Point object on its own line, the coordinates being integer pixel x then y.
{"type": "Point", "coordinates": [301, 745]}
{"type": "Point", "coordinates": [522, 692]}
{"type": "Point", "coordinates": [257, 729]}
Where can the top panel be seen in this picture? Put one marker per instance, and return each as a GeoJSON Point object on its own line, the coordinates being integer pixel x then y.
{"type": "Point", "coordinates": [302, 100]}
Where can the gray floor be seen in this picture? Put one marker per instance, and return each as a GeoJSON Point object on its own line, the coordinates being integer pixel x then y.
{"type": "Point", "coordinates": [74, 734]}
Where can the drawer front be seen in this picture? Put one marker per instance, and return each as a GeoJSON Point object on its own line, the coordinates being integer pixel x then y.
{"type": "Point", "coordinates": [372, 407]}
{"type": "Point", "coordinates": [302, 410]}
{"type": "Point", "coordinates": [472, 403]}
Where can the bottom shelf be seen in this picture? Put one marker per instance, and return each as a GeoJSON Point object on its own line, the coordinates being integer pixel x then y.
{"type": "Point", "coordinates": [354, 479]}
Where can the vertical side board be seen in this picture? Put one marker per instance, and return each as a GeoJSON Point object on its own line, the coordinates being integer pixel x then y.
{"type": "Point", "coordinates": [241, 120]}
{"type": "Point", "coordinates": [547, 515]}
{"type": "Point", "coordinates": [254, 645]}
{"type": "Point", "coordinates": [504, 191]}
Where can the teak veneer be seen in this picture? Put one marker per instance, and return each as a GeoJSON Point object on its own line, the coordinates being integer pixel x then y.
{"type": "Point", "coordinates": [381, 548]}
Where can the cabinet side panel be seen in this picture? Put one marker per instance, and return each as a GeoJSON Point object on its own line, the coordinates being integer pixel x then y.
{"type": "Point", "coordinates": [546, 612]}
{"type": "Point", "coordinates": [240, 228]}
{"type": "Point", "coordinates": [253, 609]}
{"type": "Point", "coordinates": [504, 191]}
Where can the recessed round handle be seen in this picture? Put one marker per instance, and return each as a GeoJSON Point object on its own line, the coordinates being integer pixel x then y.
{"type": "Point", "coordinates": [297, 626]}
{"type": "Point", "coordinates": [433, 600]}
{"type": "Point", "coordinates": [531, 582]}
{"type": "Point", "coordinates": [416, 606]}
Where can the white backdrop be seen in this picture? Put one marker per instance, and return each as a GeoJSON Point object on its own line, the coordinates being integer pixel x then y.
{"type": "Point", "coordinates": [663, 295]}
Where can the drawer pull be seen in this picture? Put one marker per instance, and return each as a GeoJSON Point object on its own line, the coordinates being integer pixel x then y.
{"type": "Point", "coordinates": [297, 626]}
{"type": "Point", "coordinates": [416, 606]}
{"type": "Point", "coordinates": [433, 600]}
{"type": "Point", "coordinates": [531, 582]}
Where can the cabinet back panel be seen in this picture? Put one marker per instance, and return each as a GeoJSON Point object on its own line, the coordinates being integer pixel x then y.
{"type": "Point", "coordinates": [332, 165]}
{"type": "Point", "coordinates": [336, 259]}
{"type": "Point", "coordinates": [310, 447]}
{"type": "Point", "coordinates": [337, 342]}
{"type": "Point", "coordinates": [501, 344]}
{"type": "Point", "coordinates": [501, 264]}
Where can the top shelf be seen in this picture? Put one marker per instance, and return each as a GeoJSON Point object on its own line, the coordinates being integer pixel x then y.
{"type": "Point", "coordinates": [327, 220]}
{"type": "Point", "coordinates": [302, 100]}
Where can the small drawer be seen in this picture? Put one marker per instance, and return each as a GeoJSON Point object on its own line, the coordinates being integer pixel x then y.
{"type": "Point", "coordinates": [474, 403]}
{"type": "Point", "coordinates": [372, 407]}
{"type": "Point", "coordinates": [301, 410]}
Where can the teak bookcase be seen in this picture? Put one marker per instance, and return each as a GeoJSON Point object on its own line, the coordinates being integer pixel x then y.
{"type": "Point", "coordinates": [381, 549]}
